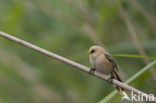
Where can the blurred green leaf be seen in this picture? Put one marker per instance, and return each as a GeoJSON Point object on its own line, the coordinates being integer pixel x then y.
{"type": "Point", "coordinates": [133, 56]}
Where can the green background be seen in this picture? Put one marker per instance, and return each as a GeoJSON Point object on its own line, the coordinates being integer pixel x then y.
{"type": "Point", "coordinates": [68, 28]}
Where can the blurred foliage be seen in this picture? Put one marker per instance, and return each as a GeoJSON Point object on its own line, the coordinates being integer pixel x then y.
{"type": "Point", "coordinates": [59, 26]}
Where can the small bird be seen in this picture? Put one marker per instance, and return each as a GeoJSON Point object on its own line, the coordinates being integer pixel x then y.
{"type": "Point", "coordinates": [104, 63]}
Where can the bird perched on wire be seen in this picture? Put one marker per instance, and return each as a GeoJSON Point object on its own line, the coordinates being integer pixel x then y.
{"type": "Point", "coordinates": [104, 63]}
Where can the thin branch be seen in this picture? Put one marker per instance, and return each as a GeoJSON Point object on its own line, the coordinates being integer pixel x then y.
{"type": "Point", "coordinates": [71, 63]}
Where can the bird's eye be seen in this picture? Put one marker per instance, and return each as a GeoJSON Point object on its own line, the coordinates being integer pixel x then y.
{"type": "Point", "coordinates": [92, 51]}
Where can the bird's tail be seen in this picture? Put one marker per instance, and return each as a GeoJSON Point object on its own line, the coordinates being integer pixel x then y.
{"type": "Point", "coordinates": [120, 90]}
{"type": "Point", "coordinates": [116, 76]}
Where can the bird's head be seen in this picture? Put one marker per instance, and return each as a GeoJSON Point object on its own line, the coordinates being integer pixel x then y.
{"type": "Point", "coordinates": [96, 51]}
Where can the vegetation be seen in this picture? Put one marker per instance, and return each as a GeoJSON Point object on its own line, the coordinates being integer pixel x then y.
{"type": "Point", "coordinates": [69, 28]}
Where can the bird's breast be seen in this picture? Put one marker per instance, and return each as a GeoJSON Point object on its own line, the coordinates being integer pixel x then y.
{"type": "Point", "coordinates": [102, 65]}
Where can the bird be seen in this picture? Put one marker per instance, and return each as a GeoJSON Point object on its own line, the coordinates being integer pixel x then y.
{"type": "Point", "coordinates": [103, 62]}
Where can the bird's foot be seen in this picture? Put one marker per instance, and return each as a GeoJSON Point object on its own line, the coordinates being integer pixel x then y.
{"type": "Point", "coordinates": [110, 79]}
{"type": "Point", "coordinates": [92, 70]}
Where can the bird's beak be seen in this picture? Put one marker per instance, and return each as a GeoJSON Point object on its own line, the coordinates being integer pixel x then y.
{"type": "Point", "coordinates": [88, 52]}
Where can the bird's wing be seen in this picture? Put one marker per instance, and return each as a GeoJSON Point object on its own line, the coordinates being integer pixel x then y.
{"type": "Point", "coordinates": [111, 60]}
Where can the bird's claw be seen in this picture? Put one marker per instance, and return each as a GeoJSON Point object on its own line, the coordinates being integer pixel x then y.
{"type": "Point", "coordinates": [110, 79]}
{"type": "Point", "coordinates": [92, 70]}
